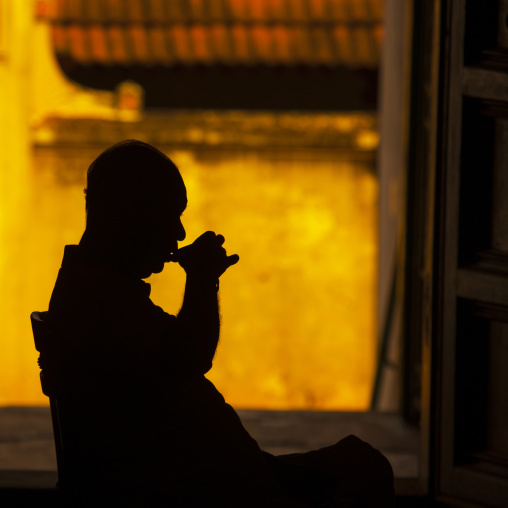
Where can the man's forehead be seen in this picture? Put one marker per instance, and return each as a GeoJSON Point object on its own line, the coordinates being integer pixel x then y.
{"type": "Point", "coordinates": [175, 198]}
{"type": "Point", "coordinates": [171, 187]}
{"type": "Point", "coordinates": [173, 182]}
{"type": "Point", "coordinates": [181, 205]}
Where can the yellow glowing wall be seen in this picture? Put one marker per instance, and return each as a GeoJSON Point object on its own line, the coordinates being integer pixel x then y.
{"type": "Point", "coordinates": [298, 310]}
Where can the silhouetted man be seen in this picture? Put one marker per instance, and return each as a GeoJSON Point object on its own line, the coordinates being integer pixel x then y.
{"type": "Point", "coordinates": [146, 427]}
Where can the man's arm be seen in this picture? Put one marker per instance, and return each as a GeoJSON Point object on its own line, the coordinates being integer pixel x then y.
{"type": "Point", "coordinates": [199, 320]}
{"type": "Point", "coordinates": [204, 262]}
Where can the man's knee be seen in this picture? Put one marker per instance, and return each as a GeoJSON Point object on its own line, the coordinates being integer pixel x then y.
{"type": "Point", "coordinates": [372, 471]}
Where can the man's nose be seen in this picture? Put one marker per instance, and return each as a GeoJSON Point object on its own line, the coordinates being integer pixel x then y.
{"type": "Point", "coordinates": [181, 234]}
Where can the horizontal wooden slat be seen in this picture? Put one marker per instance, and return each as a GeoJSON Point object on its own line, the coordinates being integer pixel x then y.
{"type": "Point", "coordinates": [485, 84]}
{"type": "Point", "coordinates": [482, 286]}
{"type": "Point", "coordinates": [479, 484]}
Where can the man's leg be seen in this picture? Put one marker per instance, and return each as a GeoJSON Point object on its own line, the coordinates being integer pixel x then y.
{"type": "Point", "coordinates": [350, 469]}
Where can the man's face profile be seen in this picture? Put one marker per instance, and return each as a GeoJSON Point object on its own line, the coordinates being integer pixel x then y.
{"type": "Point", "coordinates": [134, 200]}
{"type": "Point", "coordinates": [169, 230]}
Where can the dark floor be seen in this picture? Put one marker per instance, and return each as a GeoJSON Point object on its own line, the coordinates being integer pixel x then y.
{"type": "Point", "coordinates": [26, 437]}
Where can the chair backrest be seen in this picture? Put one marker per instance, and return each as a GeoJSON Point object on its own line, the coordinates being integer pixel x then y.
{"type": "Point", "coordinates": [49, 386]}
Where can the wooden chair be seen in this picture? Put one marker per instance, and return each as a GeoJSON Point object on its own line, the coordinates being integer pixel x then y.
{"type": "Point", "coordinates": [49, 386]}
{"type": "Point", "coordinates": [69, 464]}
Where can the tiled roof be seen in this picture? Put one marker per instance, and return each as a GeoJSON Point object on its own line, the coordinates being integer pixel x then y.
{"type": "Point", "coordinates": [331, 33]}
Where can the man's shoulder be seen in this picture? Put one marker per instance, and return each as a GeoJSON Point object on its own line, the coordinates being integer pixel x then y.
{"type": "Point", "coordinates": [92, 306]}
{"type": "Point", "coordinates": [82, 276]}
{"type": "Point", "coordinates": [86, 290]}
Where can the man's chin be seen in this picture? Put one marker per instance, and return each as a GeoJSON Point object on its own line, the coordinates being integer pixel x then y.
{"type": "Point", "coordinates": [158, 267]}
{"type": "Point", "coordinates": [155, 268]}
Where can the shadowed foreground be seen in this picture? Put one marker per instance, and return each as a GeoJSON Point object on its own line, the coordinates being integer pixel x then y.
{"type": "Point", "coordinates": [27, 437]}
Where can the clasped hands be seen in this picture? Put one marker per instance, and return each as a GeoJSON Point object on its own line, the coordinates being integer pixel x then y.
{"type": "Point", "coordinates": [205, 258]}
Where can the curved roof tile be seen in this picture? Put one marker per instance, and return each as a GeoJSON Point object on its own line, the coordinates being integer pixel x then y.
{"type": "Point", "coordinates": [331, 33]}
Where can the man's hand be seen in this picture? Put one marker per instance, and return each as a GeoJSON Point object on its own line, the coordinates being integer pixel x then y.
{"type": "Point", "coordinates": [205, 257]}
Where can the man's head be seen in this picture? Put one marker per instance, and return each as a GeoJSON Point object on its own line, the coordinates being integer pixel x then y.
{"type": "Point", "coordinates": [135, 196]}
